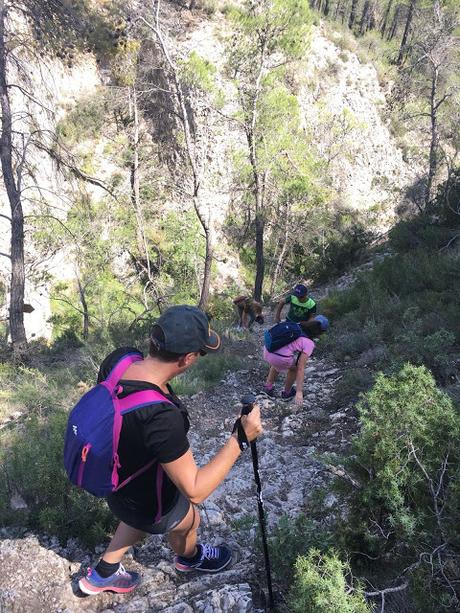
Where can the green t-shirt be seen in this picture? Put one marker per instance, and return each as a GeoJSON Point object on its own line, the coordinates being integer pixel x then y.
{"type": "Point", "coordinates": [300, 311]}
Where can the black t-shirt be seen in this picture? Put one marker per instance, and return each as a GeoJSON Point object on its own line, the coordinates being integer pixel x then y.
{"type": "Point", "coordinates": [157, 431]}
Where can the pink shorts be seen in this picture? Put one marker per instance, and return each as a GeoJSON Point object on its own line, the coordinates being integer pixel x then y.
{"type": "Point", "coordinates": [278, 362]}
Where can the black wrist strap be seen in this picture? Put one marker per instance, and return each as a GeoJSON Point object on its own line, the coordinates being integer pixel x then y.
{"type": "Point", "coordinates": [241, 434]}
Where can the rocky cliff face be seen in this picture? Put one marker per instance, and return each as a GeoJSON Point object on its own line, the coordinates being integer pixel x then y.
{"type": "Point", "coordinates": [54, 88]}
{"type": "Point", "coordinates": [341, 102]}
{"type": "Point", "coordinates": [343, 111]}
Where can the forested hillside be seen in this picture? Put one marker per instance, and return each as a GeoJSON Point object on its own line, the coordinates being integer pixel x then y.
{"type": "Point", "coordinates": [162, 153]}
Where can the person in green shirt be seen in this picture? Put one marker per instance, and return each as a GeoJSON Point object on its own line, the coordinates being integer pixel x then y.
{"type": "Point", "coordinates": [301, 307]}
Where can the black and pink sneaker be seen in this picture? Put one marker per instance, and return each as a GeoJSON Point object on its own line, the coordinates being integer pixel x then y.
{"type": "Point", "coordinates": [208, 559]}
{"type": "Point", "coordinates": [120, 582]}
{"type": "Point", "coordinates": [269, 392]}
{"type": "Point", "coordinates": [287, 396]}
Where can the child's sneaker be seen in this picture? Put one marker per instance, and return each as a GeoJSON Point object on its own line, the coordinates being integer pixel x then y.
{"type": "Point", "coordinates": [287, 396]}
{"type": "Point", "coordinates": [207, 560]}
{"type": "Point", "coordinates": [268, 391]}
{"type": "Point", "coordinates": [121, 582]}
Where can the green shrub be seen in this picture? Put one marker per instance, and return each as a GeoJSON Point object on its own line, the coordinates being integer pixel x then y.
{"type": "Point", "coordinates": [352, 384]}
{"type": "Point", "coordinates": [419, 233]}
{"type": "Point", "coordinates": [84, 121]}
{"type": "Point", "coordinates": [32, 467]}
{"type": "Point", "coordinates": [407, 305]}
{"type": "Point", "coordinates": [291, 538]}
{"type": "Point", "coordinates": [320, 586]}
{"type": "Point", "coordinates": [34, 392]}
{"type": "Point", "coordinates": [221, 306]}
{"type": "Point", "coordinates": [408, 429]}
{"type": "Point", "coordinates": [206, 372]}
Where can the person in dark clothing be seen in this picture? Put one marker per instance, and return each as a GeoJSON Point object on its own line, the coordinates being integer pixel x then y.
{"type": "Point", "coordinates": [162, 499]}
{"type": "Point", "coordinates": [301, 307]}
{"type": "Point", "coordinates": [249, 311]}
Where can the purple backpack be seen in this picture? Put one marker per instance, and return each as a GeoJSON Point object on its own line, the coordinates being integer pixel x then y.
{"type": "Point", "coordinates": [93, 432]}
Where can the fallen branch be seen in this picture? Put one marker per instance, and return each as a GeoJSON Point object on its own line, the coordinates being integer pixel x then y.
{"type": "Point", "coordinates": [339, 471]}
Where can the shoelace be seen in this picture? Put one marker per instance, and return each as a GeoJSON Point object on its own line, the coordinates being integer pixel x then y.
{"type": "Point", "coordinates": [120, 571]}
{"type": "Point", "coordinates": [209, 553]}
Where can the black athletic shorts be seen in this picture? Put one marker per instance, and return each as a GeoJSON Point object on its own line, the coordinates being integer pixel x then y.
{"type": "Point", "coordinates": [168, 521]}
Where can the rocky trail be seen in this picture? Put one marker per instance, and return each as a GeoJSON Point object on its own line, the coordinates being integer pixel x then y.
{"type": "Point", "coordinates": [38, 575]}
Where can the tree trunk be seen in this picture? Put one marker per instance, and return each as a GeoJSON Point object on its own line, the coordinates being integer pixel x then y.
{"type": "Point", "coordinates": [402, 48]}
{"type": "Point", "coordinates": [259, 216]}
{"type": "Point", "coordinates": [434, 140]}
{"type": "Point", "coordinates": [394, 24]}
{"type": "Point", "coordinates": [204, 217]}
{"type": "Point", "coordinates": [141, 240]}
{"type": "Point", "coordinates": [351, 19]}
{"type": "Point", "coordinates": [386, 16]}
{"type": "Point", "coordinates": [17, 283]}
{"type": "Point", "coordinates": [281, 255]}
{"type": "Point", "coordinates": [84, 306]}
{"type": "Point", "coordinates": [363, 25]}
{"type": "Point", "coordinates": [260, 257]}
{"type": "Point", "coordinates": [338, 8]}
{"type": "Point", "coordinates": [134, 178]}
{"type": "Point", "coordinates": [372, 17]}
{"type": "Point", "coordinates": [208, 259]}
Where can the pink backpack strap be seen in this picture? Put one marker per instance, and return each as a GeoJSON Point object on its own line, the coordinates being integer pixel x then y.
{"type": "Point", "coordinates": [140, 399]}
{"type": "Point", "coordinates": [117, 372]}
{"type": "Point", "coordinates": [122, 406]}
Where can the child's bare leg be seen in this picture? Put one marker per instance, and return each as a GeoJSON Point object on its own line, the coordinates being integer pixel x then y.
{"type": "Point", "coordinates": [290, 378]}
{"type": "Point", "coordinates": [271, 377]}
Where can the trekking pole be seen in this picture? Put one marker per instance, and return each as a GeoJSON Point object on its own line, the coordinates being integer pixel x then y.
{"type": "Point", "coordinates": [248, 404]}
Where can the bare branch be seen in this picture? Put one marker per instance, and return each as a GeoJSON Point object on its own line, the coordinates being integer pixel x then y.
{"type": "Point", "coordinates": [339, 471]}
{"type": "Point", "coordinates": [28, 95]}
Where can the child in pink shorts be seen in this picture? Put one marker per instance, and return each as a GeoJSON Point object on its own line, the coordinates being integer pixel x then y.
{"type": "Point", "coordinates": [292, 359]}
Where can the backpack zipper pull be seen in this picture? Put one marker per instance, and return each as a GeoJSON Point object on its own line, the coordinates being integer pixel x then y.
{"type": "Point", "coordinates": [85, 451]}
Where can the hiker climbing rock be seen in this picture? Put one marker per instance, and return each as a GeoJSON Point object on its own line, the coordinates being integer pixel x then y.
{"type": "Point", "coordinates": [159, 481]}
{"type": "Point", "coordinates": [301, 307]}
{"type": "Point", "coordinates": [249, 311]}
{"type": "Point", "coordinates": [287, 347]}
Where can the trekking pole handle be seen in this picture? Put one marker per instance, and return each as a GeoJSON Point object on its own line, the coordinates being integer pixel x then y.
{"type": "Point", "coordinates": [248, 403]}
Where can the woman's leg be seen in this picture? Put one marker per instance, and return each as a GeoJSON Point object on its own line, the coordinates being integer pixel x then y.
{"type": "Point", "coordinates": [124, 538]}
{"type": "Point", "coordinates": [183, 537]}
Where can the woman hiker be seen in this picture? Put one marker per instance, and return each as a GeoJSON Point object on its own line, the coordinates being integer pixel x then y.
{"type": "Point", "coordinates": [159, 433]}
{"type": "Point", "coordinates": [292, 359]}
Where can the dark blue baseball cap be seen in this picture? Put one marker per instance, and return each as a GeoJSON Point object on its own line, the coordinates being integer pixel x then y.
{"type": "Point", "coordinates": [300, 290]}
{"type": "Point", "coordinates": [186, 330]}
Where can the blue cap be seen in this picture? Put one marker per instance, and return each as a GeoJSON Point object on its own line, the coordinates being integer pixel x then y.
{"type": "Point", "coordinates": [300, 290]}
{"type": "Point", "coordinates": [324, 322]}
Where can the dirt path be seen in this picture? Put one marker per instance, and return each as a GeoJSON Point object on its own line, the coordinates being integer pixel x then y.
{"type": "Point", "coordinates": [35, 575]}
